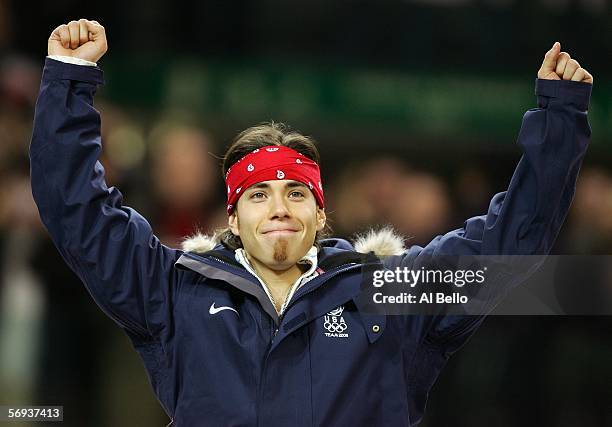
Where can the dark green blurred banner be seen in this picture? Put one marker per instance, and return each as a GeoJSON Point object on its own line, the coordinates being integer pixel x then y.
{"type": "Point", "coordinates": [446, 106]}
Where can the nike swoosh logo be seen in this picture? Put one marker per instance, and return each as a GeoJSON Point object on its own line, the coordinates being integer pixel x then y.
{"type": "Point", "coordinates": [215, 310]}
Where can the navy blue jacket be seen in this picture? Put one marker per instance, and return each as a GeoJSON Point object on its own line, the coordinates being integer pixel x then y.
{"type": "Point", "coordinates": [248, 367]}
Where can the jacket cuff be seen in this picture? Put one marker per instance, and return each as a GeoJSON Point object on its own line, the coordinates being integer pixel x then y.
{"type": "Point", "coordinates": [567, 91]}
{"type": "Point", "coordinates": [64, 71]}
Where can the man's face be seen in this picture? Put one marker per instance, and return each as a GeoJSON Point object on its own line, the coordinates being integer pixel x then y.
{"type": "Point", "coordinates": [277, 222]}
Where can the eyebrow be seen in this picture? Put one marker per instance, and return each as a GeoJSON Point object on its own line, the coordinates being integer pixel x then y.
{"type": "Point", "coordinates": [291, 184]}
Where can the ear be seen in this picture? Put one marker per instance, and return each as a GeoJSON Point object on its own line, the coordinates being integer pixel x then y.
{"type": "Point", "coordinates": [232, 222]}
{"type": "Point", "coordinates": [321, 218]}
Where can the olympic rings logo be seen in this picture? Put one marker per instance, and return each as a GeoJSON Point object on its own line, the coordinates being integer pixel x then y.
{"type": "Point", "coordinates": [335, 327]}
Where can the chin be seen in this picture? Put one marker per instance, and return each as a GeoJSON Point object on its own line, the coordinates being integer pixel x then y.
{"type": "Point", "coordinates": [283, 254]}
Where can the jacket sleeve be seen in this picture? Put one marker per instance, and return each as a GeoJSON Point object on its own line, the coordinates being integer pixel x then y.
{"type": "Point", "coordinates": [111, 247]}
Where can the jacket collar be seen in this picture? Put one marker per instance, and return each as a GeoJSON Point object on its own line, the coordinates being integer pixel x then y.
{"type": "Point", "coordinates": [212, 259]}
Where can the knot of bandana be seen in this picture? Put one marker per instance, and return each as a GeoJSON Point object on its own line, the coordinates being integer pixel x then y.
{"type": "Point", "coordinates": [270, 163]}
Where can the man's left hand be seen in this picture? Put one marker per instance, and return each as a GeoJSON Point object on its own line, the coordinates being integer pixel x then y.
{"type": "Point", "coordinates": [559, 65]}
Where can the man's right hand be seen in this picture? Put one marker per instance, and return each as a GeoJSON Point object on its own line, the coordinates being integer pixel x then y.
{"type": "Point", "coordinates": [80, 39]}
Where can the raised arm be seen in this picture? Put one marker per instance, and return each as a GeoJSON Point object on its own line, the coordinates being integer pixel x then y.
{"type": "Point", "coordinates": [111, 247]}
{"type": "Point", "coordinates": [524, 220]}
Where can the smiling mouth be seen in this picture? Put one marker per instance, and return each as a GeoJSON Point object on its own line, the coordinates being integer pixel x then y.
{"type": "Point", "coordinates": [276, 233]}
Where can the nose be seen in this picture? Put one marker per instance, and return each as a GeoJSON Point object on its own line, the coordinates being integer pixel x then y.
{"type": "Point", "coordinates": [278, 207]}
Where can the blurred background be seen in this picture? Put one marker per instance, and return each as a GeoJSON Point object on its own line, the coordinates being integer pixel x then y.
{"type": "Point", "coordinates": [415, 103]}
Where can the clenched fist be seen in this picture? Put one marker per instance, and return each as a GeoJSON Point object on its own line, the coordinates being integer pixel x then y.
{"type": "Point", "coordinates": [80, 39]}
{"type": "Point", "coordinates": [560, 66]}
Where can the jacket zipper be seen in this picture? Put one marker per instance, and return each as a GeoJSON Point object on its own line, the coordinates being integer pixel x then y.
{"type": "Point", "coordinates": [262, 378]}
{"type": "Point", "coordinates": [274, 330]}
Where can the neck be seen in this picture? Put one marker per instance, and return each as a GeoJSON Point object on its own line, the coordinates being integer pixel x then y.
{"type": "Point", "coordinates": [279, 282]}
{"type": "Point", "coordinates": [276, 278]}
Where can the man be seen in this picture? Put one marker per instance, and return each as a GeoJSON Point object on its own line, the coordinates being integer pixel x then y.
{"type": "Point", "coordinates": [236, 330]}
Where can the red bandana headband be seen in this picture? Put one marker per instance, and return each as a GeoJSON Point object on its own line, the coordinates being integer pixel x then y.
{"type": "Point", "coordinates": [272, 163]}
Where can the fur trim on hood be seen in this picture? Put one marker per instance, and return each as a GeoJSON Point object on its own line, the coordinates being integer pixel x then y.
{"type": "Point", "coordinates": [199, 243]}
{"type": "Point", "coordinates": [383, 242]}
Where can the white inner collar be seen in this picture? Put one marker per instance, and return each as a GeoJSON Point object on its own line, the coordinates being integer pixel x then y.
{"type": "Point", "coordinates": [310, 258]}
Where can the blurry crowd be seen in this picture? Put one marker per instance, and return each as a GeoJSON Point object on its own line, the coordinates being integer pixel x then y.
{"type": "Point", "coordinates": [56, 347]}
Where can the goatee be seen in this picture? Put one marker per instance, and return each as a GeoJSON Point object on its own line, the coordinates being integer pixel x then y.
{"type": "Point", "coordinates": [280, 250]}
